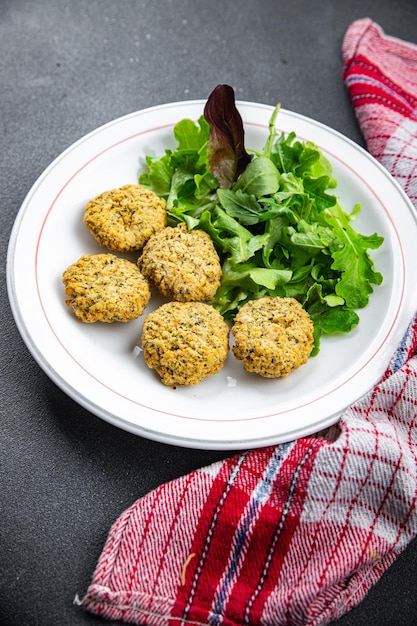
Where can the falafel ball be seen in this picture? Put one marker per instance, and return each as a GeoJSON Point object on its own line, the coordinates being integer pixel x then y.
{"type": "Point", "coordinates": [105, 288]}
{"type": "Point", "coordinates": [123, 219]}
{"type": "Point", "coordinates": [273, 336]}
{"type": "Point", "coordinates": [185, 342]}
{"type": "Point", "coordinates": [183, 264]}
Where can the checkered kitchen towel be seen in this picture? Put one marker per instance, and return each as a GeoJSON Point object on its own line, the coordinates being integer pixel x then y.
{"type": "Point", "coordinates": [297, 533]}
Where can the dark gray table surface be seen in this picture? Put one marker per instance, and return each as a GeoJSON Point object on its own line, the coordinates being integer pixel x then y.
{"type": "Point", "coordinates": [67, 67]}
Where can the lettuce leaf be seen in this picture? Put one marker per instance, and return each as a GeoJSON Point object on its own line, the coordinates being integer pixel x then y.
{"type": "Point", "coordinates": [226, 154]}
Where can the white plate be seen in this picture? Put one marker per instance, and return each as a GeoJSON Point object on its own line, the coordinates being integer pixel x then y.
{"type": "Point", "coordinates": [97, 364]}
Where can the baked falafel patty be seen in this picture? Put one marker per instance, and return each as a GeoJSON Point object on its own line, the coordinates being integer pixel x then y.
{"type": "Point", "coordinates": [185, 342]}
{"type": "Point", "coordinates": [273, 336]}
{"type": "Point", "coordinates": [123, 219]}
{"type": "Point", "coordinates": [182, 264]}
{"type": "Point", "coordinates": [105, 288]}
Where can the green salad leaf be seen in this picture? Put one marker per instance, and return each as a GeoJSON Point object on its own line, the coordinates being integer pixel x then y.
{"type": "Point", "coordinates": [274, 219]}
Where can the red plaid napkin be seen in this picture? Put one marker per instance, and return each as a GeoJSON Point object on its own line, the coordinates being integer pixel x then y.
{"type": "Point", "coordinates": [297, 533]}
{"type": "Point", "coordinates": [381, 75]}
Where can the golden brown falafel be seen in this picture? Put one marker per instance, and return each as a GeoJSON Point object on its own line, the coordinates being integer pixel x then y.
{"type": "Point", "coordinates": [185, 342]}
{"type": "Point", "coordinates": [183, 264]}
{"type": "Point", "coordinates": [273, 336]}
{"type": "Point", "coordinates": [123, 219]}
{"type": "Point", "coordinates": [105, 288]}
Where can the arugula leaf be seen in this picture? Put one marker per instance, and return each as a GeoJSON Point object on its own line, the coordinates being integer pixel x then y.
{"type": "Point", "coordinates": [230, 236]}
{"type": "Point", "coordinates": [245, 281]}
{"type": "Point", "coordinates": [351, 259]}
{"type": "Point", "coordinates": [260, 178]}
{"type": "Point", "coordinates": [245, 207]}
{"type": "Point", "coordinates": [317, 188]}
{"type": "Point", "coordinates": [313, 238]}
{"type": "Point", "coordinates": [240, 205]}
{"type": "Point", "coordinates": [328, 318]}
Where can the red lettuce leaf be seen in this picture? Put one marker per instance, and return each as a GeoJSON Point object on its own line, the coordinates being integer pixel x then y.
{"type": "Point", "coordinates": [226, 154]}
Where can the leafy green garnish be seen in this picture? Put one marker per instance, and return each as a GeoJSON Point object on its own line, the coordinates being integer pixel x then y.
{"type": "Point", "coordinates": [276, 224]}
{"type": "Point", "coordinates": [226, 154]}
